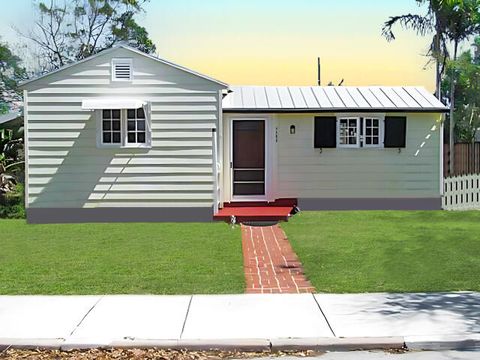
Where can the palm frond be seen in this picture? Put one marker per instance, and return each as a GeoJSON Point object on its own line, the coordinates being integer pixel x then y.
{"type": "Point", "coordinates": [420, 24]}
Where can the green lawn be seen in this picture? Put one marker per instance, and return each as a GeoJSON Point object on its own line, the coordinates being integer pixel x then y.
{"type": "Point", "coordinates": [120, 258]}
{"type": "Point", "coordinates": [371, 251]}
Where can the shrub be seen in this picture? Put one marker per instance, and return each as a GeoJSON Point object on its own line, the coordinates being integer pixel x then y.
{"type": "Point", "coordinates": [12, 204]}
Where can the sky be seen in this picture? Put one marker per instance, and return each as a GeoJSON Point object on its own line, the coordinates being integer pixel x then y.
{"type": "Point", "coordinates": [275, 42]}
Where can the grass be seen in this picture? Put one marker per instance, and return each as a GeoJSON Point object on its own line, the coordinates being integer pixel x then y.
{"type": "Point", "coordinates": [161, 258]}
{"type": "Point", "coordinates": [391, 251]}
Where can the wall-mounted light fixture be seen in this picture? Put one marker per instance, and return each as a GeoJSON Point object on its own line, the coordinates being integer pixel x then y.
{"type": "Point", "coordinates": [292, 129]}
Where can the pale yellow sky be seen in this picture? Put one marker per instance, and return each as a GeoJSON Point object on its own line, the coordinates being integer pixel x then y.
{"type": "Point", "coordinates": [276, 42]}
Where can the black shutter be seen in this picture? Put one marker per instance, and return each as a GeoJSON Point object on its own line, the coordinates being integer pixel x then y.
{"type": "Point", "coordinates": [325, 134]}
{"type": "Point", "coordinates": [395, 131]}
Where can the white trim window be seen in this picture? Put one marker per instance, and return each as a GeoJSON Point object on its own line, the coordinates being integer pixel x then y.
{"type": "Point", "coordinates": [124, 128]}
{"type": "Point", "coordinates": [372, 132]}
{"type": "Point", "coordinates": [362, 131]}
{"type": "Point", "coordinates": [348, 134]}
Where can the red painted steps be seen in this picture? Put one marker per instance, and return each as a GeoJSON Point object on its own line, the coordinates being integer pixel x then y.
{"type": "Point", "coordinates": [257, 211]}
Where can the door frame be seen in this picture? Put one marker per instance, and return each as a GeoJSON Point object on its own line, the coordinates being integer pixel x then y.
{"type": "Point", "coordinates": [268, 162]}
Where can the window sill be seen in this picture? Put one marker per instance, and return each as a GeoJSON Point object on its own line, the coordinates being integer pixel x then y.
{"type": "Point", "coordinates": [119, 146]}
{"type": "Point", "coordinates": [137, 146]}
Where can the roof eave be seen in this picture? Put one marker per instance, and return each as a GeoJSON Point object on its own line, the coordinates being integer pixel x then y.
{"type": "Point", "coordinates": [329, 110]}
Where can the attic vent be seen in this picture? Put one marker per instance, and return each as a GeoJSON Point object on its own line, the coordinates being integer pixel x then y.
{"type": "Point", "coordinates": [121, 69]}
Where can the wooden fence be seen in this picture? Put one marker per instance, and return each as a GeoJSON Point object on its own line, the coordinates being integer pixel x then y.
{"type": "Point", "coordinates": [467, 159]}
{"type": "Point", "coordinates": [462, 192]}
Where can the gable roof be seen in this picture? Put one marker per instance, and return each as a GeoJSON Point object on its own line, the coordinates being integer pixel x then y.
{"type": "Point", "coordinates": [126, 47]}
{"type": "Point", "coordinates": [330, 98]}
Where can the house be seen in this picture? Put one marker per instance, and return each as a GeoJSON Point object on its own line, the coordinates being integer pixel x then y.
{"type": "Point", "coordinates": [125, 136]}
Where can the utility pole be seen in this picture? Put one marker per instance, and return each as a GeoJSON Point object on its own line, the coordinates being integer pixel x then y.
{"type": "Point", "coordinates": [319, 74]}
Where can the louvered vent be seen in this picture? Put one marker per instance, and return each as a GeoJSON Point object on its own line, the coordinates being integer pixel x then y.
{"type": "Point", "coordinates": [121, 69]}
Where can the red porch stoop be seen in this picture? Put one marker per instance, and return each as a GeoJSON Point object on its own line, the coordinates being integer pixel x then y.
{"type": "Point", "coordinates": [257, 211]}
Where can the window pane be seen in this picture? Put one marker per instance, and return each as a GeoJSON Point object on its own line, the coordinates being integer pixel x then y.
{"type": "Point", "coordinates": [352, 123]}
{"type": "Point", "coordinates": [368, 122]}
{"type": "Point", "coordinates": [115, 114]}
{"type": "Point", "coordinates": [352, 140]}
{"type": "Point", "coordinates": [116, 124]}
{"type": "Point", "coordinates": [107, 137]}
{"type": "Point", "coordinates": [375, 122]}
{"type": "Point", "coordinates": [106, 114]}
{"type": "Point", "coordinates": [141, 125]}
{"type": "Point", "coordinates": [131, 137]}
{"type": "Point", "coordinates": [369, 131]}
{"type": "Point", "coordinates": [116, 137]}
{"type": "Point", "coordinates": [141, 137]}
{"type": "Point", "coordinates": [140, 113]}
{"type": "Point", "coordinates": [368, 141]}
{"type": "Point", "coordinates": [375, 131]}
{"type": "Point", "coordinates": [375, 140]}
{"type": "Point", "coordinates": [131, 113]}
{"type": "Point", "coordinates": [131, 125]}
{"type": "Point", "coordinates": [107, 125]}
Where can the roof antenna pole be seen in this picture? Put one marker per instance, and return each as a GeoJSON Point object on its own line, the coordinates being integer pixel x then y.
{"type": "Point", "coordinates": [319, 67]}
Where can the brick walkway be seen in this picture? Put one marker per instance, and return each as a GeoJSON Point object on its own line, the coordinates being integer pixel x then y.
{"type": "Point", "coordinates": [270, 264]}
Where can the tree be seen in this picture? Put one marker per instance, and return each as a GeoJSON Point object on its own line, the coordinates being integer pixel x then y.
{"type": "Point", "coordinates": [452, 22]}
{"type": "Point", "coordinates": [11, 72]}
{"type": "Point", "coordinates": [463, 22]}
{"type": "Point", "coordinates": [467, 93]}
{"type": "Point", "coordinates": [67, 31]}
{"type": "Point", "coordinates": [434, 23]}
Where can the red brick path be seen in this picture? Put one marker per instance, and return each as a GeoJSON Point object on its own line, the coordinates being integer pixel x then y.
{"type": "Point", "coordinates": [270, 264]}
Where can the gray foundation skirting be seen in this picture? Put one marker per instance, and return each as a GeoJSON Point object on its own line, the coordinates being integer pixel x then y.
{"type": "Point", "coordinates": [144, 214]}
{"type": "Point", "coordinates": [370, 203]}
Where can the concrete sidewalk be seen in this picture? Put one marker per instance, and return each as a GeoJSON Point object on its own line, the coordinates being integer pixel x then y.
{"type": "Point", "coordinates": [244, 322]}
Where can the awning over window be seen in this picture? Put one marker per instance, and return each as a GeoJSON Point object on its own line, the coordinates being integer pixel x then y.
{"type": "Point", "coordinates": [112, 103]}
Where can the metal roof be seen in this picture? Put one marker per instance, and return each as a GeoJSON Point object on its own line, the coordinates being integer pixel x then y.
{"type": "Point", "coordinates": [9, 117]}
{"type": "Point", "coordinates": [330, 98]}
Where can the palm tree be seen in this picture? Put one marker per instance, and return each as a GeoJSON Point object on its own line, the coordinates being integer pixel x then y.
{"type": "Point", "coordinates": [450, 22]}
{"type": "Point", "coordinates": [463, 22]}
{"type": "Point", "coordinates": [433, 22]}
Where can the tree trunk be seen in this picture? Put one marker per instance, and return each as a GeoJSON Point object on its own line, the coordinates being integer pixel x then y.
{"type": "Point", "coordinates": [438, 76]}
{"type": "Point", "coordinates": [452, 119]}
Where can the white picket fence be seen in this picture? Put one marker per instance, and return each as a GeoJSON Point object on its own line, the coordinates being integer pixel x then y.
{"type": "Point", "coordinates": [462, 192]}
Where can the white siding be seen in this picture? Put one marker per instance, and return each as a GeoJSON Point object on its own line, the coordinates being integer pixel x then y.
{"type": "Point", "coordinates": [66, 169]}
{"type": "Point", "coordinates": [304, 172]}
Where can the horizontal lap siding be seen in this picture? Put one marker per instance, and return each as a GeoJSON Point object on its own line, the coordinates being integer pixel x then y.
{"type": "Point", "coordinates": [304, 172]}
{"type": "Point", "coordinates": [66, 169]}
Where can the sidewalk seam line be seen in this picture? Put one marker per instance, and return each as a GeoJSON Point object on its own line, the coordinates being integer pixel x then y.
{"type": "Point", "coordinates": [324, 316]}
{"type": "Point", "coordinates": [83, 318]}
{"type": "Point", "coordinates": [186, 316]}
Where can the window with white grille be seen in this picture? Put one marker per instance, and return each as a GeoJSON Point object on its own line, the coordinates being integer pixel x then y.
{"type": "Point", "coordinates": [124, 128]}
{"type": "Point", "coordinates": [122, 69]}
{"type": "Point", "coordinates": [372, 132]}
{"type": "Point", "coordinates": [136, 129]}
{"type": "Point", "coordinates": [348, 132]}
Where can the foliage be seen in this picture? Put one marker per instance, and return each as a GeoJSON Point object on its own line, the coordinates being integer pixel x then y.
{"type": "Point", "coordinates": [12, 204]}
{"type": "Point", "coordinates": [467, 93]}
{"type": "Point", "coordinates": [122, 258]}
{"type": "Point", "coordinates": [11, 72]}
{"type": "Point", "coordinates": [449, 21]}
{"type": "Point", "coordinates": [11, 160]}
{"type": "Point", "coordinates": [67, 31]}
{"type": "Point", "coordinates": [391, 251]}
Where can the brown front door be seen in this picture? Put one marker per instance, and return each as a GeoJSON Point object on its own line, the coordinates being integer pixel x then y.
{"type": "Point", "coordinates": [248, 157]}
